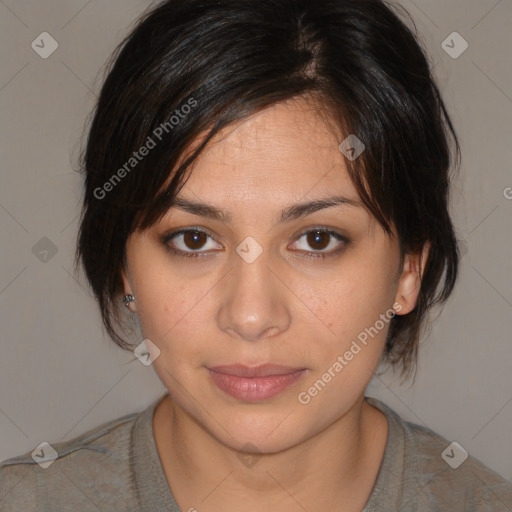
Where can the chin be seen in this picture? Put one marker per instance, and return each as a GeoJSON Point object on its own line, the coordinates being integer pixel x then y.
{"type": "Point", "coordinates": [264, 434]}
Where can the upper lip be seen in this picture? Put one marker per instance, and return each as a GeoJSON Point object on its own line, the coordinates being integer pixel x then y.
{"type": "Point", "coordinates": [263, 370]}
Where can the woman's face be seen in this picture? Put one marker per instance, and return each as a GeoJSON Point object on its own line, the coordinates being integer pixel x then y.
{"type": "Point", "coordinates": [251, 287]}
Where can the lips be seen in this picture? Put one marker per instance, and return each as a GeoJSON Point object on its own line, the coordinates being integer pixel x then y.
{"type": "Point", "coordinates": [254, 383]}
{"type": "Point", "coordinates": [265, 370]}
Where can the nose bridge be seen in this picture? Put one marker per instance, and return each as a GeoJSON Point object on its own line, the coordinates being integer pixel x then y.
{"type": "Point", "coordinates": [251, 278]}
{"type": "Point", "coordinates": [252, 302]}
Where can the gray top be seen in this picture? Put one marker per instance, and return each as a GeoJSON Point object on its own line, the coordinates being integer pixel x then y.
{"type": "Point", "coordinates": [116, 467]}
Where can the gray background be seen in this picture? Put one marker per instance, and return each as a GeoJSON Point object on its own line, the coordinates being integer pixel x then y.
{"type": "Point", "coordinates": [60, 375]}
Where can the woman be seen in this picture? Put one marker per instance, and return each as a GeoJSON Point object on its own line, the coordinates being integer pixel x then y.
{"type": "Point", "coordinates": [267, 188]}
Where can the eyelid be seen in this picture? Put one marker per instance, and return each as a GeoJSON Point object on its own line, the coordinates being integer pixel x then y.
{"type": "Point", "coordinates": [181, 231]}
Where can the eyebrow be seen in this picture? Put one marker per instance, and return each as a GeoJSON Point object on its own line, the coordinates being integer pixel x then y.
{"type": "Point", "coordinates": [288, 214]}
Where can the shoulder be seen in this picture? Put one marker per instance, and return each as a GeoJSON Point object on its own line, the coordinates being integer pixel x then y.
{"type": "Point", "coordinates": [81, 473]}
{"type": "Point", "coordinates": [452, 476]}
{"type": "Point", "coordinates": [441, 474]}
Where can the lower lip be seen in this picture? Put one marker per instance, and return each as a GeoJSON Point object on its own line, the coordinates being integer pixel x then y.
{"type": "Point", "coordinates": [254, 389]}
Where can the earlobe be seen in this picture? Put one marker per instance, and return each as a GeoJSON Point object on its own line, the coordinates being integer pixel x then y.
{"type": "Point", "coordinates": [129, 302]}
{"type": "Point", "coordinates": [410, 281]}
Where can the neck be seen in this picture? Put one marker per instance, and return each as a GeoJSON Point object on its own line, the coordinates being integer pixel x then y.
{"type": "Point", "coordinates": [336, 469]}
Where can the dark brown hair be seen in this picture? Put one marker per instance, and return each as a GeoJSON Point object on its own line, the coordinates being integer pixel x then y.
{"type": "Point", "coordinates": [196, 66]}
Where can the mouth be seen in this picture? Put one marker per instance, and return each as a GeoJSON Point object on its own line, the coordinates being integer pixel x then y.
{"type": "Point", "coordinates": [264, 370]}
{"type": "Point", "coordinates": [254, 384]}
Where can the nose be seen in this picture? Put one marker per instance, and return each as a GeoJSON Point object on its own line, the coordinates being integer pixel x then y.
{"type": "Point", "coordinates": [253, 303]}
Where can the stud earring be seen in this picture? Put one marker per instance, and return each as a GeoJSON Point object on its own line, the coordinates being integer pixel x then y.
{"type": "Point", "coordinates": [129, 302]}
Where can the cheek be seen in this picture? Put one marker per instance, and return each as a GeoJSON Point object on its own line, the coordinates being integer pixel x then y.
{"type": "Point", "coordinates": [154, 291]}
{"type": "Point", "coordinates": [350, 308]}
{"type": "Point", "coordinates": [350, 302]}
{"type": "Point", "coordinates": [163, 310]}
{"type": "Point", "coordinates": [173, 314]}
{"type": "Point", "coordinates": [347, 354]}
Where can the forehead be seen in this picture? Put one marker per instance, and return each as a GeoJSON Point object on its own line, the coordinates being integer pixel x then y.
{"type": "Point", "coordinates": [287, 150]}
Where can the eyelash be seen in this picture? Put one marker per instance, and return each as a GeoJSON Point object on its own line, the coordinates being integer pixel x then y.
{"type": "Point", "coordinates": [314, 255]}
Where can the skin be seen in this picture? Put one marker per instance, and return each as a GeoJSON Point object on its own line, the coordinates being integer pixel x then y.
{"type": "Point", "coordinates": [283, 308]}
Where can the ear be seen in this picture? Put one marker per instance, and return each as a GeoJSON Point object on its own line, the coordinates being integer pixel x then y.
{"type": "Point", "coordinates": [409, 283]}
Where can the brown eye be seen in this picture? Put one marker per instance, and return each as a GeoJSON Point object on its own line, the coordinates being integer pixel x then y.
{"type": "Point", "coordinates": [191, 243]}
{"type": "Point", "coordinates": [318, 240]}
{"type": "Point", "coordinates": [194, 240]}
{"type": "Point", "coordinates": [321, 243]}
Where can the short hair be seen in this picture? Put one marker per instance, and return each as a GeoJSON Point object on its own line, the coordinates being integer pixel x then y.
{"type": "Point", "coordinates": [192, 67]}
